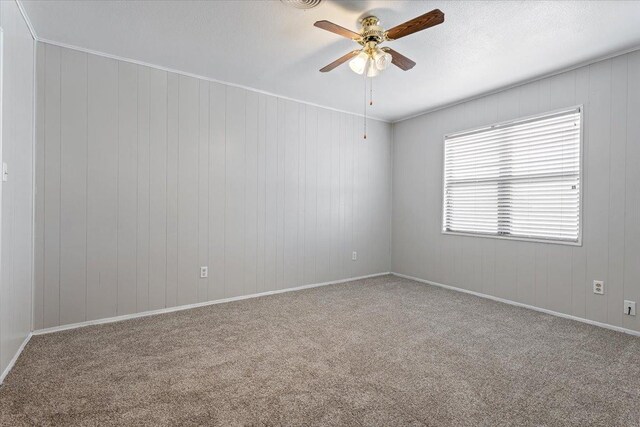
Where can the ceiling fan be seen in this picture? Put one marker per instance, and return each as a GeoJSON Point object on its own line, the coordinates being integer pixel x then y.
{"type": "Point", "coordinates": [371, 57]}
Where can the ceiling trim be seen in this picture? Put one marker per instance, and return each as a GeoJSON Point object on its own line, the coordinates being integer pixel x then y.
{"type": "Point", "coordinates": [522, 83]}
{"type": "Point", "coordinates": [26, 20]}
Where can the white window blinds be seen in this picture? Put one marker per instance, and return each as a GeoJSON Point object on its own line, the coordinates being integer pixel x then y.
{"type": "Point", "coordinates": [519, 179]}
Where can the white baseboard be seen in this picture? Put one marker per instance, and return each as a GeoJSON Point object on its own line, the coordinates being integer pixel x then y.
{"type": "Point", "coordinates": [315, 285]}
{"type": "Point", "coordinates": [519, 304]}
{"type": "Point", "coordinates": [189, 306]}
{"type": "Point", "coordinates": [15, 358]}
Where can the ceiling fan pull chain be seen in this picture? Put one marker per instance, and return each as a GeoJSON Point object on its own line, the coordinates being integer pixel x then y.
{"type": "Point", "coordinates": [371, 91]}
{"type": "Point", "coordinates": [365, 105]}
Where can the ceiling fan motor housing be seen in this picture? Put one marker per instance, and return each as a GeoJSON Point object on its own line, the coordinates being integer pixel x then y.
{"type": "Point", "coordinates": [371, 31]}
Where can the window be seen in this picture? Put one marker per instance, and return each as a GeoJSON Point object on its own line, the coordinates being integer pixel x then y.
{"type": "Point", "coordinates": [517, 180]}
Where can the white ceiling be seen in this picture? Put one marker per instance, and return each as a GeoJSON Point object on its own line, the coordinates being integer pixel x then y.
{"type": "Point", "coordinates": [481, 47]}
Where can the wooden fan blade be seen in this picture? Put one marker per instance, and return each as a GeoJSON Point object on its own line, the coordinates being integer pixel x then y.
{"type": "Point", "coordinates": [337, 29]}
{"type": "Point", "coordinates": [399, 60]}
{"type": "Point", "coordinates": [339, 61]}
{"type": "Point", "coordinates": [420, 23]}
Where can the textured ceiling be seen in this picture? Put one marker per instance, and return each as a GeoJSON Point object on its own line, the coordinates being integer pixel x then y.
{"type": "Point", "coordinates": [481, 47]}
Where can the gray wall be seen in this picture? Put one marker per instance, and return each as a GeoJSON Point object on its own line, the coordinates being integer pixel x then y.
{"type": "Point", "coordinates": [17, 193]}
{"type": "Point", "coordinates": [550, 276]}
{"type": "Point", "coordinates": [144, 175]}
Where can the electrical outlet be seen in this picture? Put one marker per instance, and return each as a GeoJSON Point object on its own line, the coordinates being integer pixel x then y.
{"type": "Point", "coordinates": [598, 287]}
{"type": "Point", "coordinates": [204, 272]}
{"type": "Point", "coordinates": [354, 256]}
{"type": "Point", "coordinates": [629, 308]}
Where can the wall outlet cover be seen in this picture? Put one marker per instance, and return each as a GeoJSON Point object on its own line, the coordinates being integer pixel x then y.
{"type": "Point", "coordinates": [598, 287]}
{"type": "Point", "coordinates": [204, 272]}
{"type": "Point", "coordinates": [354, 256]}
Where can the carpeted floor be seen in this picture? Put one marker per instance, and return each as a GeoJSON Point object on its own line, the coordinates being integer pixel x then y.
{"type": "Point", "coordinates": [383, 351]}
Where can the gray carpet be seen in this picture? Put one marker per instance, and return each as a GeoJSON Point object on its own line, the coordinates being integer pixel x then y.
{"type": "Point", "coordinates": [383, 351]}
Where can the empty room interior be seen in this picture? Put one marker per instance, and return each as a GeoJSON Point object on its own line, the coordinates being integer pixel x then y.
{"type": "Point", "coordinates": [319, 213]}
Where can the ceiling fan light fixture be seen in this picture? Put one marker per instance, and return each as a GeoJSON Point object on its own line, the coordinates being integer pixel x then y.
{"type": "Point", "coordinates": [372, 69]}
{"type": "Point", "coordinates": [382, 59]}
{"type": "Point", "coordinates": [359, 63]}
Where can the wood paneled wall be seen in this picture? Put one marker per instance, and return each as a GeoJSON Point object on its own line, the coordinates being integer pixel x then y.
{"type": "Point", "coordinates": [551, 276]}
{"type": "Point", "coordinates": [143, 176]}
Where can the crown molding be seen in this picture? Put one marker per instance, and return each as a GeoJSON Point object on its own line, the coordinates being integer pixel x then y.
{"type": "Point", "coordinates": [522, 83]}
{"type": "Point", "coordinates": [26, 19]}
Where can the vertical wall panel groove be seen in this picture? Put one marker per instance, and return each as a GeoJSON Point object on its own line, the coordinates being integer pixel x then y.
{"type": "Point", "coordinates": [52, 175]}
{"type": "Point", "coordinates": [143, 202]}
{"type": "Point", "coordinates": [251, 194]}
{"type": "Point", "coordinates": [102, 212]}
{"type": "Point", "coordinates": [173, 95]}
{"type": "Point", "coordinates": [127, 187]}
{"type": "Point", "coordinates": [290, 203]}
{"type": "Point", "coordinates": [235, 187]}
{"type": "Point", "coordinates": [301, 194]}
{"type": "Point", "coordinates": [157, 188]}
{"type": "Point", "coordinates": [73, 172]}
{"type": "Point", "coordinates": [310, 213]}
{"type": "Point", "coordinates": [261, 182]}
{"type": "Point", "coordinates": [217, 144]}
{"type": "Point", "coordinates": [280, 192]}
{"type": "Point", "coordinates": [38, 296]}
{"type": "Point", "coordinates": [271, 265]}
{"type": "Point", "coordinates": [187, 191]}
{"type": "Point", "coordinates": [203, 188]}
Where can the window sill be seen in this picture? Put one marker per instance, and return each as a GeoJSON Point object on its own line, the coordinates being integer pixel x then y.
{"type": "Point", "coordinates": [516, 238]}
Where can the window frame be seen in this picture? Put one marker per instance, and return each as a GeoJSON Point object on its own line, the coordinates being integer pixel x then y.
{"type": "Point", "coordinates": [580, 108]}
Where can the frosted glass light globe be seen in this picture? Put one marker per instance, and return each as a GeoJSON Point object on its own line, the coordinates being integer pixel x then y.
{"type": "Point", "coordinates": [372, 69]}
{"type": "Point", "coordinates": [382, 59]}
{"type": "Point", "coordinates": [359, 63]}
